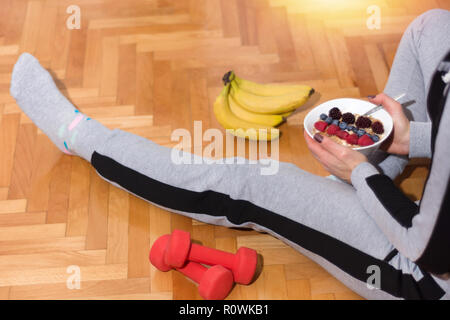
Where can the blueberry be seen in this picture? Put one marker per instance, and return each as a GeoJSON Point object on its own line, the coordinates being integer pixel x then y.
{"type": "Point", "coordinates": [355, 129]}
{"type": "Point", "coordinates": [350, 127]}
{"type": "Point", "coordinates": [343, 125]}
{"type": "Point", "coordinates": [328, 120]}
{"type": "Point", "coordinates": [360, 132]}
{"type": "Point", "coordinates": [323, 116]}
{"type": "Point", "coordinates": [375, 138]}
{"type": "Point", "coordinates": [335, 122]}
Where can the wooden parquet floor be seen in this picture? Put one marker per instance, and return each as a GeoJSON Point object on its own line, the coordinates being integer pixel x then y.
{"type": "Point", "coordinates": [149, 67]}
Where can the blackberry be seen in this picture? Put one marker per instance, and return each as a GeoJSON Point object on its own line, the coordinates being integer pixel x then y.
{"type": "Point", "coordinates": [335, 113]}
{"type": "Point", "coordinates": [363, 122]}
{"type": "Point", "coordinates": [377, 127]}
{"type": "Point", "coordinates": [348, 117]}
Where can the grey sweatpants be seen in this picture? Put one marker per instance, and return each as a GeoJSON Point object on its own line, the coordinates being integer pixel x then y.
{"type": "Point", "coordinates": [321, 218]}
{"type": "Point", "coordinates": [334, 229]}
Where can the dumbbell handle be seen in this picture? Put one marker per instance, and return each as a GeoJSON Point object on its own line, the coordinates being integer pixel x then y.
{"type": "Point", "coordinates": [193, 270]}
{"type": "Point", "coordinates": [210, 256]}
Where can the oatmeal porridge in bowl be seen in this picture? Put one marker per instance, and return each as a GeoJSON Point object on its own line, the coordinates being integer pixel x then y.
{"type": "Point", "coordinates": [342, 121]}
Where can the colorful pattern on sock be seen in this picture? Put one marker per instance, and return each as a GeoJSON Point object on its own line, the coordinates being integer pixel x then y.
{"type": "Point", "coordinates": [76, 121]}
{"type": "Point", "coordinates": [72, 139]}
{"type": "Point", "coordinates": [67, 149]}
{"type": "Point", "coordinates": [61, 130]}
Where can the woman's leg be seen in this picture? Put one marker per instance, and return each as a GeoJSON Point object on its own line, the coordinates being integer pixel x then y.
{"type": "Point", "coordinates": [422, 47]}
{"type": "Point", "coordinates": [321, 218]}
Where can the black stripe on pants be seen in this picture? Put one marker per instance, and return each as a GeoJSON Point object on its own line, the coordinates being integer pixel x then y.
{"type": "Point", "coordinates": [343, 256]}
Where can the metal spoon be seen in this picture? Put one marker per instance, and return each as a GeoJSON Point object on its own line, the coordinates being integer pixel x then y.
{"type": "Point", "coordinates": [381, 107]}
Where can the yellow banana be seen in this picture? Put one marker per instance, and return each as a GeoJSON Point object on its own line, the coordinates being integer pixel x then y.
{"type": "Point", "coordinates": [266, 90]}
{"type": "Point", "coordinates": [286, 114]}
{"type": "Point", "coordinates": [237, 126]}
{"type": "Point", "coordinates": [269, 105]}
{"type": "Point", "coordinates": [264, 119]}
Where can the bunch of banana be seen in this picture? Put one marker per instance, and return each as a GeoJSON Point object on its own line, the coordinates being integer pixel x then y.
{"type": "Point", "coordinates": [250, 110]}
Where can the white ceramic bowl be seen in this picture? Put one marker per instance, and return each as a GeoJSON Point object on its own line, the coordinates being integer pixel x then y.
{"type": "Point", "coordinates": [354, 106]}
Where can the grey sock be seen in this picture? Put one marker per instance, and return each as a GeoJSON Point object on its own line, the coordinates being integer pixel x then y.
{"type": "Point", "coordinates": [37, 95]}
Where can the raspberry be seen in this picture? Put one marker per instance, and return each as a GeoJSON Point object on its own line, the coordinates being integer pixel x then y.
{"type": "Point", "coordinates": [363, 122]}
{"type": "Point", "coordinates": [332, 130]}
{"type": "Point", "coordinates": [342, 134]}
{"type": "Point", "coordinates": [377, 127]}
{"type": "Point", "coordinates": [352, 139]}
{"type": "Point", "coordinates": [320, 125]}
{"type": "Point", "coordinates": [365, 140]}
{"type": "Point", "coordinates": [335, 113]}
{"type": "Point", "coordinates": [348, 117]}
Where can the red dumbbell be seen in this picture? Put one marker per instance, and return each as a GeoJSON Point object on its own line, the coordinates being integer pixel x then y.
{"type": "Point", "coordinates": [180, 249]}
{"type": "Point", "coordinates": [215, 283]}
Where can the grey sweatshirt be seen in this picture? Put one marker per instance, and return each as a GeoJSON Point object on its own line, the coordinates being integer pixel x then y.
{"type": "Point", "coordinates": [421, 233]}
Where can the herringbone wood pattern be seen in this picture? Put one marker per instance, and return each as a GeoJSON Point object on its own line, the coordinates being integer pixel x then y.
{"type": "Point", "coordinates": [150, 66]}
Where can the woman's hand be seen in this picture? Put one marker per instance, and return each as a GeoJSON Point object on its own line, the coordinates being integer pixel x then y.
{"type": "Point", "coordinates": [336, 159]}
{"type": "Point", "coordinates": [398, 142]}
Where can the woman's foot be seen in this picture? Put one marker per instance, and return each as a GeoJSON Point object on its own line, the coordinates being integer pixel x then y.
{"type": "Point", "coordinates": [37, 95]}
